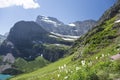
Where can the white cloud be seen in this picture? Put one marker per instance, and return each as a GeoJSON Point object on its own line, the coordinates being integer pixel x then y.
{"type": "Point", "coordinates": [26, 4]}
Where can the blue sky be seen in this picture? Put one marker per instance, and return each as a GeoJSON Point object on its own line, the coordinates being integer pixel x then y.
{"type": "Point", "coordinates": [65, 10]}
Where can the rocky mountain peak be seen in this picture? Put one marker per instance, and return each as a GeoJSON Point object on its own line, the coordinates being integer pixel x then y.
{"type": "Point", "coordinates": [77, 28]}
{"type": "Point", "coordinates": [27, 40]}
{"type": "Point", "coordinates": [50, 20]}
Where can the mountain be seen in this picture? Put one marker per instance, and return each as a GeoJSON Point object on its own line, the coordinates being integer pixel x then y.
{"type": "Point", "coordinates": [111, 12]}
{"type": "Point", "coordinates": [77, 28]}
{"type": "Point", "coordinates": [29, 44]}
{"type": "Point", "coordinates": [2, 38]}
{"type": "Point", "coordinates": [29, 40]}
{"type": "Point", "coordinates": [91, 55]}
{"type": "Point", "coordinates": [6, 34]}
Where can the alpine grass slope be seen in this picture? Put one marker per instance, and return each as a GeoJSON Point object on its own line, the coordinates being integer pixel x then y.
{"type": "Point", "coordinates": [90, 57]}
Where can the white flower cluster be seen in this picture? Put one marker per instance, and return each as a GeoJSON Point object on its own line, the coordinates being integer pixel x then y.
{"type": "Point", "coordinates": [118, 49]}
{"type": "Point", "coordinates": [83, 62]}
{"type": "Point", "coordinates": [103, 55]}
{"type": "Point", "coordinates": [66, 77]}
{"type": "Point", "coordinates": [78, 68]}
{"type": "Point", "coordinates": [58, 75]}
{"type": "Point", "coordinates": [96, 57]}
{"type": "Point", "coordinates": [62, 67]}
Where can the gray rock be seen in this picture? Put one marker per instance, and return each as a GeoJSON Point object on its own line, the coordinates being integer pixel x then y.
{"type": "Point", "coordinates": [9, 58]}
{"type": "Point", "coordinates": [77, 28]}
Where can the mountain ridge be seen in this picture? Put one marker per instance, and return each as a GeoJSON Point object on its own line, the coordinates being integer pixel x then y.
{"type": "Point", "coordinates": [77, 28]}
{"type": "Point", "coordinates": [24, 35]}
{"type": "Point", "coordinates": [29, 43]}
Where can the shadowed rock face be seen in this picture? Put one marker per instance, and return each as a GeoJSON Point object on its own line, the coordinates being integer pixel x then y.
{"type": "Point", "coordinates": [26, 31]}
{"type": "Point", "coordinates": [26, 40]}
{"type": "Point", "coordinates": [21, 37]}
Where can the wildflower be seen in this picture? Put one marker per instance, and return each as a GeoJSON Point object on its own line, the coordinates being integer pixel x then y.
{"type": "Point", "coordinates": [58, 75]}
{"type": "Point", "coordinates": [83, 63]}
{"type": "Point", "coordinates": [64, 65]}
{"type": "Point", "coordinates": [96, 57]}
{"type": "Point", "coordinates": [102, 55]}
{"type": "Point", "coordinates": [118, 49]}
{"type": "Point", "coordinates": [77, 68]}
{"type": "Point", "coordinates": [65, 77]}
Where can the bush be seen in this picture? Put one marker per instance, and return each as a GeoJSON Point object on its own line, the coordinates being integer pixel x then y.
{"type": "Point", "coordinates": [103, 75]}
{"type": "Point", "coordinates": [85, 74]}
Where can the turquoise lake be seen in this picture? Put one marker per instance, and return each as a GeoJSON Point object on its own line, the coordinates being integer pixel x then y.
{"type": "Point", "coordinates": [4, 77]}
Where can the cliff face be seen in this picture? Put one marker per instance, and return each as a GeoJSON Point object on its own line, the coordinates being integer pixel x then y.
{"type": "Point", "coordinates": [21, 38]}
{"type": "Point", "coordinates": [29, 40]}
{"type": "Point", "coordinates": [26, 31]}
{"type": "Point", "coordinates": [77, 28]}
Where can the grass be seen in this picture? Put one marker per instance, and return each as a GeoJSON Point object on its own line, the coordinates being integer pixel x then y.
{"type": "Point", "coordinates": [74, 70]}
{"type": "Point", "coordinates": [44, 71]}
{"type": "Point", "coordinates": [102, 42]}
{"type": "Point", "coordinates": [28, 66]}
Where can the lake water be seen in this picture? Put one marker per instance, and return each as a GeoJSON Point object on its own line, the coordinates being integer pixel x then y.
{"type": "Point", "coordinates": [4, 77]}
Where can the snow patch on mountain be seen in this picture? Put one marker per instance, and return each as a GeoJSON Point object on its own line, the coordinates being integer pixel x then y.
{"type": "Point", "coordinates": [77, 28]}
{"type": "Point", "coordinates": [68, 39]}
{"type": "Point", "coordinates": [53, 36]}
{"type": "Point", "coordinates": [50, 21]}
{"type": "Point", "coordinates": [75, 37]}
{"type": "Point", "coordinates": [64, 37]}
{"type": "Point", "coordinates": [71, 24]}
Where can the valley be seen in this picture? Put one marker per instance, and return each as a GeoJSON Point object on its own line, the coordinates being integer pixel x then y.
{"type": "Point", "coordinates": [90, 55]}
{"type": "Point", "coordinates": [30, 46]}
{"type": "Point", "coordinates": [49, 49]}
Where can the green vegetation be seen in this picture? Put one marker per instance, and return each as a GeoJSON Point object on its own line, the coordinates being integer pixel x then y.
{"type": "Point", "coordinates": [45, 71]}
{"type": "Point", "coordinates": [28, 66]}
{"type": "Point", "coordinates": [100, 37]}
{"type": "Point", "coordinates": [51, 52]}
{"type": "Point", "coordinates": [90, 59]}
